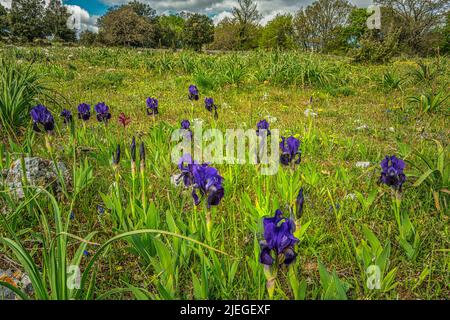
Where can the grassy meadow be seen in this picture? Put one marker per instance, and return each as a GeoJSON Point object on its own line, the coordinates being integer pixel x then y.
{"type": "Point", "coordinates": [135, 235]}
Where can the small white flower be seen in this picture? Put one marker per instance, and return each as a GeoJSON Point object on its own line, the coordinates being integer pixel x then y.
{"type": "Point", "coordinates": [310, 113]}
{"type": "Point", "coordinates": [197, 121]}
{"type": "Point", "coordinates": [362, 164]}
{"type": "Point", "coordinates": [350, 196]}
{"type": "Point", "coordinates": [363, 127]}
{"type": "Point", "coordinates": [271, 119]}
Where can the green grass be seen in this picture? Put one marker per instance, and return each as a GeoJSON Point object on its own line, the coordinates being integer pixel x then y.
{"type": "Point", "coordinates": [349, 220]}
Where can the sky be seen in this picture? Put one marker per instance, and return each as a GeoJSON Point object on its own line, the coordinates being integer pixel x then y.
{"type": "Point", "coordinates": [88, 11]}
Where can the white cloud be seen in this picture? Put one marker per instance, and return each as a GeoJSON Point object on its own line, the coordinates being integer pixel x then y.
{"type": "Point", "coordinates": [6, 3]}
{"type": "Point", "coordinates": [81, 19]}
{"type": "Point", "coordinates": [222, 15]}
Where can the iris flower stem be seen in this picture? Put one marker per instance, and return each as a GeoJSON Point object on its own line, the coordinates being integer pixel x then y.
{"type": "Point", "coordinates": [209, 224]}
{"type": "Point", "coordinates": [48, 145]}
{"type": "Point", "coordinates": [144, 199]}
{"type": "Point", "coordinates": [117, 177]}
{"type": "Point", "coordinates": [133, 189]}
{"type": "Point", "coordinates": [271, 276]}
{"type": "Point", "coordinates": [397, 204]}
{"type": "Point", "coordinates": [194, 221]}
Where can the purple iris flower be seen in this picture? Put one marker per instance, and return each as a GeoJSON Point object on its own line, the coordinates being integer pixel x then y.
{"type": "Point", "coordinates": [84, 111]}
{"type": "Point", "coordinates": [203, 179]}
{"type": "Point", "coordinates": [263, 125]}
{"type": "Point", "coordinates": [278, 238]}
{"type": "Point", "coordinates": [210, 106]}
{"type": "Point", "coordinates": [152, 106]}
{"type": "Point", "coordinates": [186, 125]}
{"type": "Point", "coordinates": [193, 93]}
{"type": "Point", "coordinates": [290, 150]}
{"type": "Point", "coordinates": [392, 172]}
{"type": "Point", "coordinates": [42, 116]}
{"type": "Point", "coordinates": [67, 116]}
{"type": "Point", "coordinates": [103, 114]}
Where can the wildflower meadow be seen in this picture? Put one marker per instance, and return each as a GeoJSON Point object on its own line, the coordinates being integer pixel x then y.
{"type": "Point", "coordinates": [259, 175]}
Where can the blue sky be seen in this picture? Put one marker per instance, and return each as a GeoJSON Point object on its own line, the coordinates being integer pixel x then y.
{"type": "Point", "coordinates": [94, 7]}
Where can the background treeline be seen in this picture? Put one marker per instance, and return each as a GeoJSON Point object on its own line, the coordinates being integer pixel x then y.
{"type": "Point", "coordinates": [332, 26]}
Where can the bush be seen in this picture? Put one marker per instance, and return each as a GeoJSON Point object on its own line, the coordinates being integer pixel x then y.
{"type": "Point", "coordinates": [375, 49]}
{"type": "Point", "coordinates": [20, 87]}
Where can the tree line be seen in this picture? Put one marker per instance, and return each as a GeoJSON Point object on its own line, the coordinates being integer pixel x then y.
{"type": "Point", "coordinates": [331, 26]}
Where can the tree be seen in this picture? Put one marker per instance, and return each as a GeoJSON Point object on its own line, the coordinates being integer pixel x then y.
{"type": "Point", "coordinates": [4, 24]}
{"type": "Point", "coordinates": [55, 21]}
{"type": "Point", "coordinates": [247, 17]}
{"type": "Point", "coordinates": [445, 40]}
{"type": "Point", "coordinates": [317, 25]}
{"type": "Point", "coordinates": [199, 30]}
{"type": "Point", "coordinates": [142, 9]}
{"type": "Point", "coordinates": [171, 31]}
{"type": "Point", "coordinates": [88, 38]}
{"type": "Point", "coordinates": [278, 33]}
{"type": "Point", "coordinates": [417, 18]}
{"type": "Point", "coordinates": [349, 36]}
{"type": "Point", "coordinates": [226, 35]}
{"type": "Point", "coordinates": [123, 26]}
{"type": "Point", "coordinates": [27, 19]}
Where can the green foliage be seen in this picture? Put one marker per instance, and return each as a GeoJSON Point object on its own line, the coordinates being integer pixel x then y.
{"type": "Point", "coordinates": [20, 88]}
{"type": "Point", "coordinates": [446, 36]}
{"type": "Point", "coordinates": [371, 253]}
{"type": "Point", "coordinates": [429, 102]}
{"type": "Point", "coordinates": [390, 81]}
{"type": "Point", "coordinates": [226, 35]}
{"type": "Point", "coordinates": [333, 288]}
{"type": "Point", "coordinates": [433, 170]}
{"type": "Point", "coordinates": [246, 16]}
{"type": "Point", "coordinates": [123, 26]}
{"type": "Point", "coordinates": [330, 15]}
{"type": "Point", "coordinates": [171, 31]}
{"type": "Point", "coordinates": [4, 22]}
{"type": "Point", "coordinates": [375, 48]}
{"type": "Point", "coordinates": [55, 21]}
{"type": "Point", "coordinates": [106, 80]}
{"type": "Point", "coordinates": [27, 19]}
{"type": "Point", "coordinates": [88, 38]}
{"type": "Point", "coordinates": [156, 243]}
{"type": "Point", "coordinates": [425, 73]}
{"type": "Point", "coordinates": [278, 33]}
{"type": "Point", "coordinates": [198, 31]}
